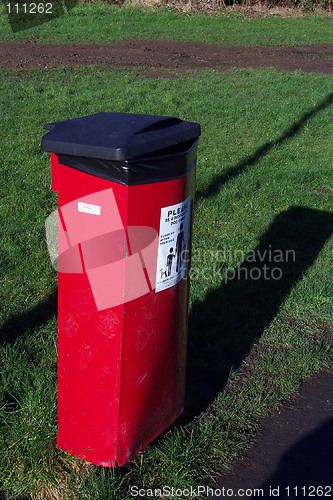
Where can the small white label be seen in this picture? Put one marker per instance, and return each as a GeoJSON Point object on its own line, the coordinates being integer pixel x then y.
{"type": "Point", "coordinates": [88, 208]}
{"type": "Point", "coordinates": [173, 243]}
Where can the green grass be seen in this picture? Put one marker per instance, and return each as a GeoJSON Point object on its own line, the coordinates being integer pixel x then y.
{"type": "Point", "coordinates": [264, 182]}
{"type": "Point", "coordinates": [106, 24]}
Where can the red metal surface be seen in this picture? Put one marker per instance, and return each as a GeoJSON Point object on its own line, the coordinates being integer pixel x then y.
{"type": "Point", "coordinates": [121, 369]}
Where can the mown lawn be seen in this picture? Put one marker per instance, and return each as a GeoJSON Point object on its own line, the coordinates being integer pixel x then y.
{"type": "Point", "coordinates": [264, 188]}
{"type": "Point", "coordinates": [100, 23]}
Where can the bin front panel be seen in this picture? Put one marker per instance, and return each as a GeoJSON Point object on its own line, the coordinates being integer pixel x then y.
{"type": "Point", "coordinates": [89, 340]}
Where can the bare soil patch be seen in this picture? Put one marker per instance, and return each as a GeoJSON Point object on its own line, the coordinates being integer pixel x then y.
{"type": "Point", "coordinates": [166, 55]}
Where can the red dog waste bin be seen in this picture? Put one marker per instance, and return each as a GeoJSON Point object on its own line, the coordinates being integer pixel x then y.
{"type": "Point", "coordinates": [126, 187]}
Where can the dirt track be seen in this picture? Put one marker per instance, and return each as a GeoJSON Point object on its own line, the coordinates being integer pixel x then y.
{"type": "Point", "coordinates": [166, 55]}
{"type": "Point", "coordinates": [293, 447]}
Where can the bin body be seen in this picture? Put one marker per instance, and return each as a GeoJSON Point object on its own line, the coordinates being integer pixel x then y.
{"type": "Point", "coordinates": [123, 294]}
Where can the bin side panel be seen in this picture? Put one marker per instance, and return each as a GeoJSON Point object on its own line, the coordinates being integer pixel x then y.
{"type": "Point", "coordinates": [155, 334]}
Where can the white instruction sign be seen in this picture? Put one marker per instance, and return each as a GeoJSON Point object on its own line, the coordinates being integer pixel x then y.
{"type": "Point", "coordinates": [173, 244]}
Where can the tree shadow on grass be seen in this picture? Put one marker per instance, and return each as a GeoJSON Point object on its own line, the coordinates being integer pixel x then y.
{"type": "Point", "coordinates": [28, 320]}
{"type": "Point", "coordinates": [223, 327]}
{"type": "Point", "coordinates": [221, 179]}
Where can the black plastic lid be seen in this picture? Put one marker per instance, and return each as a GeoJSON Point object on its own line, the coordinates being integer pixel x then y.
{"type": "Point", "coordinates": [117, 136]}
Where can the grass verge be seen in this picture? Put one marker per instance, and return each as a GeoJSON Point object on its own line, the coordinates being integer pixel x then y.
{"type": "Point", "coordinates": [264, 184]}
{"type": "Point", "coordinates": [105, 24]}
